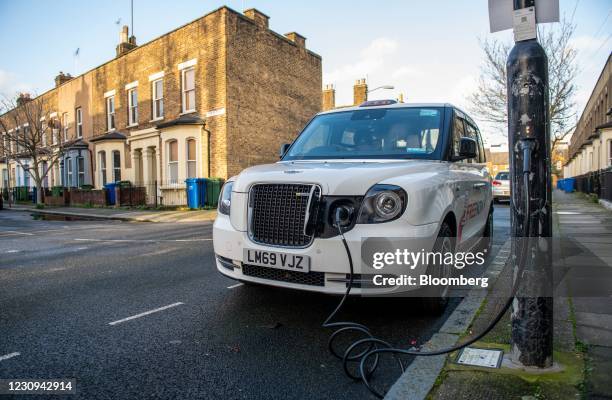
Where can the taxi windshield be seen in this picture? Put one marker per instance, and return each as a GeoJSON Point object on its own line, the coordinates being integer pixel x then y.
{"type": "Point", "coordinates": [396, 133]}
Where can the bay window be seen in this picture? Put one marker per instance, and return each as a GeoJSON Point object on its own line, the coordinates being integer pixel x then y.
{"type": "Point", "coordinates": [173, 161]}
{"type": "Point", "coordinates": [191, 158]}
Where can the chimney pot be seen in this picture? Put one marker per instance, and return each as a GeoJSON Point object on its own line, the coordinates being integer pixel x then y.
{"type": "Point", "coordinates": [328, 98]}
{"type": "Point", "coordinates": [126, 42]}
{"type": "Point", "coordinates": [257, 16]}
{"type": "Point", "coordinates": [360, 92]}
{"type": "Point", "coordinates": [296, 38]}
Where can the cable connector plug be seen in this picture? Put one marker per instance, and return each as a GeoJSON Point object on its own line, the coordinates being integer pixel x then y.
{"type": "Point", "coordinates": [527, 146]}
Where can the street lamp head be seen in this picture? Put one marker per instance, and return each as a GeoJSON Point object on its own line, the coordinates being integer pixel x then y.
{"type": "Point", "coordinates": [381, 87]}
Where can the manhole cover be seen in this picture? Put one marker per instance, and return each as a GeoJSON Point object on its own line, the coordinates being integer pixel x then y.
{"type": "Point", "coordinates": [490, 358]}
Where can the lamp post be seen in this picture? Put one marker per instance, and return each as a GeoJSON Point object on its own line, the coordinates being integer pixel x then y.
{"type": "Point", "coordinates": [389, 87]}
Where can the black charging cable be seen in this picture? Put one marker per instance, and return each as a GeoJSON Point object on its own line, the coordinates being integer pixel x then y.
{"type": "Point", "coordinates": [374, 346]}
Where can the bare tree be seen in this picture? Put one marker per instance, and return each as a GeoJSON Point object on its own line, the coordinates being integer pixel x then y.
{"type": "Point", "coordinates": [489, 101]}
{"type": "Point", "coordinates": [31, 138]}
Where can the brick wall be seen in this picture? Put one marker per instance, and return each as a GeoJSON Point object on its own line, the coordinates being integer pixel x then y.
{"type": "Point", "coordinates": [83, 197]}
{"type": "Point", "coordinates": [274, 88]}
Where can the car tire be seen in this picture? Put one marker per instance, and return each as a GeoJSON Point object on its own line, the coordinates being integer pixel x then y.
{"type": "Point", "coordinates": [435, 298]}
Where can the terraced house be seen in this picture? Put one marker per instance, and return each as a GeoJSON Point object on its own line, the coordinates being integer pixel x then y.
{"type": "Point", "coordinates": [208, 99]}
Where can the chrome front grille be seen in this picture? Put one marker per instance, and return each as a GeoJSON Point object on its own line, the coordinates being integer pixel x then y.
{"type": "Point", "coordinates": [278, 213]}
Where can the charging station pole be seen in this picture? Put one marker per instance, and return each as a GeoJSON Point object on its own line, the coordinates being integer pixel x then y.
{"type": "Point", "coordinates": [528, 126]}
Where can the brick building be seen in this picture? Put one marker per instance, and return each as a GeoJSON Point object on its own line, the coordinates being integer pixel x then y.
{"type": "Point", "coordinates": [207, 99]}
{"type": "Point", "coordinates": [590, 147]}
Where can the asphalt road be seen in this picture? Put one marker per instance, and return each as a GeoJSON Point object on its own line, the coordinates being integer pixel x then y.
{"type": "Point", "coordinates": [62, 284]}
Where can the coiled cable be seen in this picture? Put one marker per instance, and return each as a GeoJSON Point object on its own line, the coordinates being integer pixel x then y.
{"type": "Point", "coordinates": [374, 346]}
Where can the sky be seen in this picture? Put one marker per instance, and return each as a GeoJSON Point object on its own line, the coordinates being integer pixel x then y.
{"type": "Point", "coordinates": [428, 50]}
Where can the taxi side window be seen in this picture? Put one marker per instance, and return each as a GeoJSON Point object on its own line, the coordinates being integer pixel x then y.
{"type": "Point", "coordinates": [472, 133]}
{"type": "Point", "coordinates": [458, 133]}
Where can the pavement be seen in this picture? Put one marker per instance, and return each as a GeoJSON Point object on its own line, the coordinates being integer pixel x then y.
{"type": "Point", "coordinates": [585, 229]}
{"type": "Point", "coordinates": [121, 214]}
{"type": "Point", "coordinates": [582, 255]}
{"type": "Point", "coordinates": [138, 310]}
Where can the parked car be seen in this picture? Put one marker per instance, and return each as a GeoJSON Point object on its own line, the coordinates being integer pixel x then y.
{"type": "Point", "coordinates": [501, 186]}
{"type": "Point", "coordinates": [398, 171]}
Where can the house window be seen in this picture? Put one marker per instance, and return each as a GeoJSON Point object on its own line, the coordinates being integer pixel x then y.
{"type": "Point", "coordinates": [45, 174]}
{"type": "Point", "coordinates": [188, 83]}
{"type": "Point", "coordinates": [110, 113]}
{"type": "Point", "coordinates": [158, 99]}
{"type": "Point", "coordinates": [80, 171]}
{"type": "Point", "coordinates": [19, 140]}
{"type": "Point", "coordinates": [26, 175]}
{"type": "Point", "coordinates": [65, 125]}
{"type": "Point", "coordinates": [173, 161]}
{"type": "Point", "coordinates": [116, 166]}
{"type": "Point", "coordinates": [78, 115]}
{"type": "Point", "coordinates": [133, 106]}
{"type": "Point", "coordinates": [68, 163]}
{"type": "Point", "coordinates": [609, 152]}
{"type": "Point", "coordinates": [54, 131]}
{"type": "Point", "coordinates": [191, 158]}
{"type": "Point", "coordinates": [102, 163]}
{"type": "Point", "coordinates": [43, 133]}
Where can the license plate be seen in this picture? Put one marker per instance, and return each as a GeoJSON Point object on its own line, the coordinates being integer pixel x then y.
{"type": "Point", "coordinates": [272, 259]}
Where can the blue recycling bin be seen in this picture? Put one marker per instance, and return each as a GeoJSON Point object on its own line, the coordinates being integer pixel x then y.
{"type": "Point", "coordinates": [202, 188]}
{"type": "Point", "coordinates": [560, 184]}
{"type": "Point", "coordinates": [110, 193]}
{"type": "Point", "coordinates": [569, 184]}
{"type": "Point", "coordinates": [34, 195]}
{"type": "Point", "coordinates": [193, 192]}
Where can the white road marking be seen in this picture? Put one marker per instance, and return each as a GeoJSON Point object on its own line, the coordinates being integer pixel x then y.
{"type": "Point", "coordinates": [145, 313]}
{"type": "Point", "coordinates": [235, 286]}
{"type": "Point", "coordinates": [7, 356]}
{"type": "Point", "coordinates": [17, 233]}
{"type": "Point", "coordinates": [12, 251]}
{"type": "Point", "coordinates": [141, 240]}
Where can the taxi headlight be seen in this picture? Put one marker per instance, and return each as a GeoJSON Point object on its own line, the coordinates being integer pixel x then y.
{"type": "Point", "coordinates": [382, 203]}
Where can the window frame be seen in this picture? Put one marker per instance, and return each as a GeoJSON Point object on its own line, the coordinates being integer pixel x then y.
{"type": "Point", "coordinates": [132, 94]}
{"type": "Point", "coordinates": [184, 90]}
{"type": "Point", "coordinates": [110, 116]}
{"type": "Point", "coordinates": [65, 126]}
{"type": "Point", "coordinates": [193, 161]}
{"type": "Point", "coordinates": [80, 171]}
{"type": "Point", "coordinates": [68, 163]}
{"type": "Point", "coordinates": [116, 166]}
{"type": "Point", "coordinates": [172, 165]}
{"type": "Point", "coordinates": [78, 122]}
{"type": "Point", "coordinates": [102, 167]}
{"type": "Point", "coordinates": [155, 99]}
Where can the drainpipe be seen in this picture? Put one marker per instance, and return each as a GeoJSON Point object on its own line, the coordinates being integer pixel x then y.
{"type": "Point", "coordinates": [91, 166]}
{"type": "Point", "coordinates": [208, 134]}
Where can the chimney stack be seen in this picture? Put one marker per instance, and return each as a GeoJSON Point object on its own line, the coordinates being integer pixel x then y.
{"type": "Point", "coordinates": [297, 39]}
{"type": "Point", "coordinates": [328, 98]}
{"type": "Point", "coordinates": [257, 16]}
{"type": "Point", "coordinates": [360, 92]}
{"type": "Point", "coordinates": [62, 78]}
{"type": "Point", "coordinates": [23, 98]}
{"type": "Point", "coordinates": [126, 42]}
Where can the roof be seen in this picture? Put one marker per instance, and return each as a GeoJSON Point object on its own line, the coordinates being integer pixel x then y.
{"type": "Point", "coordinates": [77, 143]}
{"type": "Point", "coordinates": [604, 126]}
{"type": "Point", "coordinates": [109, 136]}
{"type": "Point", "coordinates": [187, 119]}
